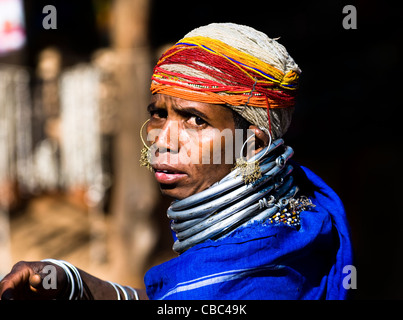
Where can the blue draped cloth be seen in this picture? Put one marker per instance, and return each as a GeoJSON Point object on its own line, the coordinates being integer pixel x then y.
{"type": "Point", "coordinates": [265, 261]}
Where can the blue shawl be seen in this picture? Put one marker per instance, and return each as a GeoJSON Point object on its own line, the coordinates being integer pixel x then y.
{"type": "Point", "coordinates": [265, 261]}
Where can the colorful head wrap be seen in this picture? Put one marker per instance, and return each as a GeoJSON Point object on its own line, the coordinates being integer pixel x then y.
{"type": "Point", "coordinates": [234, 65]}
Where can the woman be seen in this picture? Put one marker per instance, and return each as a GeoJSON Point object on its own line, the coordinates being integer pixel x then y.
{"type": "Point", "coordinates": [248, 222]}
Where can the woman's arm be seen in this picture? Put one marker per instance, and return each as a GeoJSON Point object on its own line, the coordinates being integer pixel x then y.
{"type": "Point", "coordinates": [48, 280]}
{"type": "Point", "coordinates": [103, 290]}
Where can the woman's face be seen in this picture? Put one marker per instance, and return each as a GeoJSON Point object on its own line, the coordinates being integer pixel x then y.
{"type": "Point", "coordinates": [192, 144]}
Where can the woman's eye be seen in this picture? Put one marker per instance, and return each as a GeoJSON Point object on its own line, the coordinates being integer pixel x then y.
{"type": "Point", "coordinates": [158, 113]}
{"type": "Point", "coordinates": [197, 121]}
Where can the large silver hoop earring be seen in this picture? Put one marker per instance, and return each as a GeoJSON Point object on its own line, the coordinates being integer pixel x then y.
{"type": "Point", "coordinates": [250, 170]}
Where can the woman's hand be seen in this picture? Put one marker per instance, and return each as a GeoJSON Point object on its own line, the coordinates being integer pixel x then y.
{"type": "Point", "coordinates": [34, 280]}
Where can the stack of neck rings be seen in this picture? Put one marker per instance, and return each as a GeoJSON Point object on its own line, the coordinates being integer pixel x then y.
{"type": "Point", "coordinates": [241, 68]}
{"type": "Point", "coordinates": [230, 203]}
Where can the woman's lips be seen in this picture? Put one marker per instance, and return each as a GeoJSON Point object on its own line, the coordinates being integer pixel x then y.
{"type": "Point", "coordinates": [168, 176]}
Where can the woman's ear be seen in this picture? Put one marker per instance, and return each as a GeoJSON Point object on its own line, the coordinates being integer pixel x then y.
{"type": "Point", "coordinates": [262, 139]}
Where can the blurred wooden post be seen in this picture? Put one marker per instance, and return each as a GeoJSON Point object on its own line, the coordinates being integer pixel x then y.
{"type": "Point", "coordinates": [135, 193]}
{"type": "Point", "coordinates": [5, 245]}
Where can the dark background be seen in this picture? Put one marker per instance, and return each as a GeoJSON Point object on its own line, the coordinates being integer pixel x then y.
{"type": "Point", "coordinates": [347, 126]}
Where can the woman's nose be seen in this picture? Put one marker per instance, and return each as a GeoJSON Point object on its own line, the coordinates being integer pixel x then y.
{"type": "Point", "coordinates": [167, 139]}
